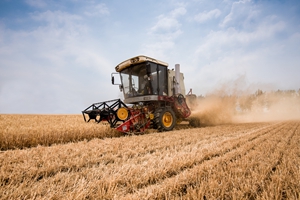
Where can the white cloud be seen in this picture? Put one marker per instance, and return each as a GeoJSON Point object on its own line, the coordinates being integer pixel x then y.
{"type": "Point", "coordinates": [168, 23]}
{"type": "Point", "coordinates": [222, 41]}
{"type": "Point", "coordinates": [165, 24]}
{"type": "Point", "coordinates": [242, 14]}
{"type": "Point", "coordinates": [205, 16]}
{"type": "Point", "coordinates": [178, 12]}
{"type": "Point", "coordinates": [251, 43]}
{"type": "Point", "coordinates": [164, 33]}
{"type": "Point", "coordinates": [96, 10]}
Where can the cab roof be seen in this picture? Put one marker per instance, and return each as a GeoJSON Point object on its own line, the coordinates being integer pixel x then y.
{"type": "Point", "coordinates": [138, 59]}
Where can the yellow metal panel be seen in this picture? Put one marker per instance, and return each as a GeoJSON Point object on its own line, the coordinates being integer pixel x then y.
{"type": "Point", "coordinates": [138, 59]}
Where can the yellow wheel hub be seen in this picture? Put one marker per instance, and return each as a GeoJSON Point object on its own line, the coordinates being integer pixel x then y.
{"type": "Point", "coordinates": [167, 119]}
{"type": "Point", "coordinates": [122, 113]}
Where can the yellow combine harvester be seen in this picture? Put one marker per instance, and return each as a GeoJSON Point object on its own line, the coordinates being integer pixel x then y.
{"type": "Point", "coordinates": [154, 97]}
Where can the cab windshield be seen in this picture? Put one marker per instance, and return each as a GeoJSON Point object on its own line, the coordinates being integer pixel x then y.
{"type": "Point", "coordinates": [144, 79]}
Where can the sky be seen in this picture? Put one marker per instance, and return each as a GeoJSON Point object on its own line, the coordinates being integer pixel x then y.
{"type": "Point", "coordinates": [56, 57]}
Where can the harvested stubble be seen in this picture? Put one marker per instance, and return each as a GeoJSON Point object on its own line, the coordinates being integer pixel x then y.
{"type": "Point", "coordinates": [25, 131]}
{"type": "Point", "coordinates": [226, 162]}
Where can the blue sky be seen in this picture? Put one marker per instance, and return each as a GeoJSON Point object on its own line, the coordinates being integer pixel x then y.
{"type": "Point", "coordinates": [57, 56]}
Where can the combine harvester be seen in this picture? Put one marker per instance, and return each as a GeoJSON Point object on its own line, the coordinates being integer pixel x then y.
{"type": "Point", "coordinates": [154, 97]}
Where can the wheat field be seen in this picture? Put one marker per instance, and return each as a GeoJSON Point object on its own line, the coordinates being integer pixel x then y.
{"type": "Point", "coordinates": [61, 157]}
{"type": "Point", "coordinates": [25, 131]}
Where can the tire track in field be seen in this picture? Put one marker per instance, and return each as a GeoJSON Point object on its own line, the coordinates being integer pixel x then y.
{"type": "Point", "coordinates": [267, 178]}
{"type": "Point", "coordinates": [252, 194]}
{"type": "Point", "coordinates": [278, 146]}
{"type": "Point", "coordinates": [246, 143]}
{"type": "Point", "coordinates": [281, 146]}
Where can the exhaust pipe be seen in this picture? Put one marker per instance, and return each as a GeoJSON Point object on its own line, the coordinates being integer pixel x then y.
{"type": "Point", "coordinates": [177, 79]}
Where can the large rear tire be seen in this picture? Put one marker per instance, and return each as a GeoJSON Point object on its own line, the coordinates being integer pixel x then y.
{"type": "Point", "coordinates": [165, 119]}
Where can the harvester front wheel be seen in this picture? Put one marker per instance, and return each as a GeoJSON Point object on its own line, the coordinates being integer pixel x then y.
{"type": "Point", "coordinates": [165, 119]}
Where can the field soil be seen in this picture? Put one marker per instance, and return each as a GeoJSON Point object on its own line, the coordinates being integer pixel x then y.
{"type": "Point", "coordinates": [52, 157]}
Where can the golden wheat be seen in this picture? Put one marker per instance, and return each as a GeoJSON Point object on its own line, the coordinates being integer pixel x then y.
{"type": "Point", "coordinates": [24, 131]}
{"type": "Point", "coordinates": [239, 161]}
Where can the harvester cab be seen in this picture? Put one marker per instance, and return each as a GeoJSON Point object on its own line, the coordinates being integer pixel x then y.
{"type": "Point", "coordinates": [154, 97]}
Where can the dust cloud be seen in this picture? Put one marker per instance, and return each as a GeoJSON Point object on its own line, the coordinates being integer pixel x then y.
{"type": "Point", "coordinates": [238, 102]}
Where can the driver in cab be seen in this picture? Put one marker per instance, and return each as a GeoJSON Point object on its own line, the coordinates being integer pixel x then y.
{"type": "Point", "coordinates": [146, 85]}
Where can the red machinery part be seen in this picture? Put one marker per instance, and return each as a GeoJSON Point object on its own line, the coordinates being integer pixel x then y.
{"type": "Point", "coordinates": [136, 123]}
{"type": "Point", "coordinates": [181, 106]}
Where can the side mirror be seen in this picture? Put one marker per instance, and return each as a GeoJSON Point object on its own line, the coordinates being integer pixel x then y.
{"type": "Point", "coordinates": [113, 80]}
{"type": "Point", "coordinates": [117, 80]}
